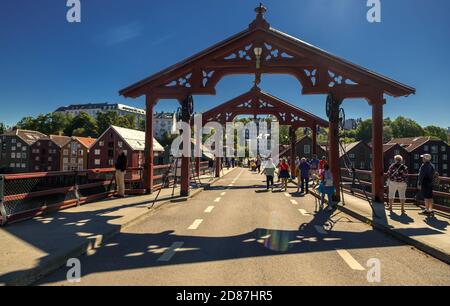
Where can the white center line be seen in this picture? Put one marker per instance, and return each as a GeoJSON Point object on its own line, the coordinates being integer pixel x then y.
{"type": "Point", "coordinates": [171, 251]}
{"type": "Point", "coordinates": [320, 230]}
{"type": "Point", "coordinates": [287, 194]}
{"type": "Point", "coordinates": [304, 212]}
{"type": "Point", "coordinates": [348, 258]}
{"type": "Point", "coordinates": [294, 202]}
{"type": "Point", "coordinates": [217, 200]}
{"type": "Point", "coordinates": [209, 209]}
{"type": "Point", "coordinates": [223, 193]}
{"type": "Point", "coordinates": [196, 224]}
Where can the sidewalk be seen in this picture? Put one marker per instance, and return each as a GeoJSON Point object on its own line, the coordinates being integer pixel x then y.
{"type": "Point", "coordinates": [33, 248]}
{"type": "Point", "coordinates": [430, 235]}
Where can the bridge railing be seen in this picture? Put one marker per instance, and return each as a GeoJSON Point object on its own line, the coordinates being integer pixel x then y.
{"type": "Point", "coordinates": [441, 195]}
{"type": "Point", "coordinates": [23, 196]}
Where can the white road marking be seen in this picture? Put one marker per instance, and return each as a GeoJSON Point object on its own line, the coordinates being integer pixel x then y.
{"type": "Point", "coordinates": [223, 193]}
{"type": "Point", "coordinates": [294, 202]}
{"type": "Point", "coordinates": [196, 224]}
{"type": "Point", "coordinates": [320, 230]}
{"type": "Point", "coordinates": [304, 212]}
{"type": "Point", "coordinates": [217, 200]}
{"type": "Point", "coordinates": [171, 251]}
{"type": "Point", "coordinates": [287, 194]}
{"type": "Point", "coordinates": [348, 258]}
{"type": "Point", "coordinates": [209, 209]}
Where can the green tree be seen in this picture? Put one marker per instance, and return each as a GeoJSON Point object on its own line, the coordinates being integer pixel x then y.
{"type": "Point", "coordinates": [437, 132]}
{"type": "Point", "coordinates": [27, 123]}
{"type": "Point", "coordinates": [104, 120]}
{"type": "Point", "coordinates": [83, 125]}
{"type": "Point", "coordinates": [404, 127]}
{"type": "Point", "coordinates": [167, 139]}
{"type": "Point", "coordinates": [364, 130]}
{"type": "Point", "coordinates": [2, 128]}
{"type": "Point", "coordinates": [57, 123]}
{"type": "Point", "coordinates": [388, 134]}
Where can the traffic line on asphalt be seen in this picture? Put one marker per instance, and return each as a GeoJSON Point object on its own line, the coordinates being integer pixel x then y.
{"type": "Point", "coordinates": [209, 209]}
{"type": "Point", "coordinates": [223, 193]}
{"type": "Point", "coordinates": [287, 194]}
{"type": "Point", "coordinates": [170, 251]}
{"type": "Point", "coordinates": [348, 258]}
{"type": "Point", "coordinates": [294, 202]}
{"type": "Point", "coordinates": [304, 212]}
{"type": "Point", "coordinates": [196, 224]}
{"type": "Point", "coordinates": [320, 230]}
{"type": "Point", "coordinates": [217, 200]}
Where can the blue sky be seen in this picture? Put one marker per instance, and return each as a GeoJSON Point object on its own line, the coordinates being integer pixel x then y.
{"type": "Point", "coordinates": [45, 62]}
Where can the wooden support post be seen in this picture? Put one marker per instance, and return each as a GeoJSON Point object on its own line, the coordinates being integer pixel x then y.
{"type": "Point", "coordinates": [149, 155]}
{"type": "Point", "coordinates": [333, 153]}
{"type": "Point", "coordinates": [218, 166]}
{"type": "Point", "coordinates": [293, 137]}
{"type": "Point", "coordinates": [197, 166]}
{"type": "Point", "coordinates": [314, 139]}
{"type": "Point", "coordinates": [377, 150]}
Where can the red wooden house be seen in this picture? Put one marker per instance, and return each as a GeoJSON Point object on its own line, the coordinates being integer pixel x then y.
{"type": "Point", "coordinates": [105, 150]}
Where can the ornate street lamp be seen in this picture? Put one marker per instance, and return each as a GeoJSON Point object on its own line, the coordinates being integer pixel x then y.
{"type": "Point", "coordinates": [258, 52]}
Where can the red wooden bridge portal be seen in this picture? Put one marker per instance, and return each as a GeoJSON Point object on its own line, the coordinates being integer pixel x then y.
{"type": "Point", "coordinates": [261, 49]}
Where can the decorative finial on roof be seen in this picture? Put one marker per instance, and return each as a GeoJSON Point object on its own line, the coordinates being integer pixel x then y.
{"type": "Point", "coordinates": [260, 22]}
{"type": "Point", "coordinates": [260, 10]}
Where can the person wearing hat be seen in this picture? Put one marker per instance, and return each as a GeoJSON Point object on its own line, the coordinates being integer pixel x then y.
{"type": "Point", "coordinates": [398, 177]}
{"type": "Point", "coordinates": [425, 183]}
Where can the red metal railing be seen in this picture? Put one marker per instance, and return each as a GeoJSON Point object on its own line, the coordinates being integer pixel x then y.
{"type": "Point", "coordinates": [441, 196]}
{"type": "Point", "coordinates": [23, 196]}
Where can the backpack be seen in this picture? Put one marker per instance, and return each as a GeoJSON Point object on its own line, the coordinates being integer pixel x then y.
{"type": "Point", "coordinates": [436, 179]}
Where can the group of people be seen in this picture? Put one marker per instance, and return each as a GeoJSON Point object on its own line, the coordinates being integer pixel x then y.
{"type": "Point", "coordinates": [305, 170]}
{"type": "Point", "coordinates": [319, 172]}
{"type": "Point", "coordinates": [398, 183]}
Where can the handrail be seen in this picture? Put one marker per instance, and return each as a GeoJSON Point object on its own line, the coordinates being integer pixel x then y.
{"type": "Point", "coordinates": [412, 190]}
{"type": "Point", "coordinates": [26, 195]}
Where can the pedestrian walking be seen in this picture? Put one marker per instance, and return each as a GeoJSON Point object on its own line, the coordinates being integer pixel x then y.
{"type": "Point", "coordinates": [284, 174]}
{"type": "Point", "coordinates": [397, 182]}
{"type": "Point", "coordinates": [304, 169]}
{"type": "Point", "coordinates": [314, 169]}
{"type": "Point", "coordinates": [121, 167]}
{"type": "Point", "coordinates": [326, 187]}
{"type": "Point", "coordinates": [211, 166]}
{"type": "Point", "coordinates": [425, 183]}
{"type": "Point", "coordinates": [269, 171]}
{"type": "Point", "coordinates": [258, 164]}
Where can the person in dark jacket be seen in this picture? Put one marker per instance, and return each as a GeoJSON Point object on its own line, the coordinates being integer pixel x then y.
{"type": "Point", "coordinates": [425, 183]}
{"type": "Point", "coordinates": [121, 167]}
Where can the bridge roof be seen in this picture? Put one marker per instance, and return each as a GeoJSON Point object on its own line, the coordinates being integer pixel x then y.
{"type": "Point", "coordinates": [260, 33]}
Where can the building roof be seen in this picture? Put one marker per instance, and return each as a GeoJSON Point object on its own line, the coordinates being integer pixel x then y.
{"type": "Point", "coordinates": [164, 115]}
{"type": "Point", "coordinates": [256, 29]}
{"type": "Point", "coordinates": [86, 141]}
{"type": "Point", "coordinates": [60, 141]}
{"type": "Point", "coordinates": [27, 136]}
{"type": "Point", "coordinates": [348, 147]}
{"type": "Point", "coordinates": [286, 148]}
{"type": "Point", "coordinates": [134, 138]}
{"type": "Point", "coordinates": [83, 106]}
{"type": "Point", "coordinates": [103, 106]}
{"type": "Point", "coordinates": [412, 143]}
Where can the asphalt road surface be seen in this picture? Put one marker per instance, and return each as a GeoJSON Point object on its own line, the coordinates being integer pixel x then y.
{"type": "Point", "coordinates": [239, 234]}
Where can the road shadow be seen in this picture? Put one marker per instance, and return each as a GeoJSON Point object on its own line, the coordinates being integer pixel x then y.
{"type": "Point", "coordinates": [131, 251]}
